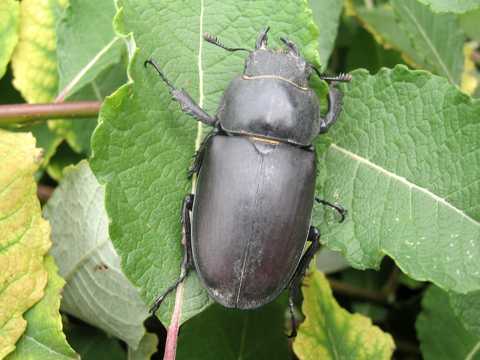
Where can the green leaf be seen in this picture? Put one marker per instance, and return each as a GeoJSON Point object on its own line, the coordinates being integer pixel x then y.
{"type": "Point", "coordinates": [87, 260]}
{"type": "Point", "coordinates": [469, 22]}
{"type": "Point", "coordinates": [144, 144]}
{"type": "Point", "coordinates": [330, 332]}
{"type": "Point", "coordinates": [78, 132]}
{"type": "Point", "coordinates": [426, 40]}
{"type": "Point", "coordinates": [34, 61]}
{"type": "Point", "coordinates": [403, 160]}
{"type": "Point", "coordinates": [93, 344]}
{"type": "Point", "coordinates": [63, 157]}
{"type": "Point", "coordinates": [146, 348]}
{"type": "Point", "coordinates": [86, 43]}
{"type": "Point", "coordinates": [437, 39]}
{"type": "Point", "coordinates": [442, 336]}
{"type": "Point", "coordinates": [455, 6]}
{"type": "Point", "coordinates": [89, 60]}
{"type": "Point", "coordinates": [326, 14]}
{"type": "Point", "coordinates": [44, 338]}
{"type": "Point", "coordinates": [9, 12]}
{"type": "Point", "coordinates": [25, 236]}
{"type": "Point", "coordinates": [466, 308]}
{"type": "Point", "coordinates": [220, 333]}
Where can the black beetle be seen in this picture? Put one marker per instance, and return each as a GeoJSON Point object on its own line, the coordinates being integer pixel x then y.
{"type": "Point", "coordinates": [256, 179]}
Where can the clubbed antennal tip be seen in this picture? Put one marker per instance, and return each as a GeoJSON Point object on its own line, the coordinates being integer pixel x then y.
{"type": "Point", "coordinates": [342, 77]}
{"type": "Point", "coordinates": [212, 39]}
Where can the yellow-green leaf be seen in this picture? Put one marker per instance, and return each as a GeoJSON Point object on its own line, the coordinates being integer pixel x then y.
{"type": "Point", "coordinates": [8, 31]}
{"type": "Point", "coordinates": [330, 332]}
{"type": "Point", "coordinates": [25, 236]}
{"type": "Point", "coordinates": [44, 338]}
{"type": "Point", "coordinates": [34, 61]}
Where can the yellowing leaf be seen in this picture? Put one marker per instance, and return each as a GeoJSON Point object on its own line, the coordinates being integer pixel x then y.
{"type": "Point", "coordinates": [8, 31]}
{"type": "Point", "coordinates": [24, 236]}
{"type": "Point", "coordinates": [44, 338]}
{"type": "Point", "coordinates": [34, 61]}
{"type": "Point", "coordinates": [330, 332]}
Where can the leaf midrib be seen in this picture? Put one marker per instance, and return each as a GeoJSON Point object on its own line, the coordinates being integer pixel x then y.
{"type": "Point", "coordinates": [403, 180]}
{"type": "Point", "coordinates": [429, 43]}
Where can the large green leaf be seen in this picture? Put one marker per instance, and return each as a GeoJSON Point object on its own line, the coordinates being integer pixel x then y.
{"type": "Point", "coordinates": [9, 11]}
{"type": "Point", "coordinates": [326, 14]}
{"type": "Point", "coordinates": [144, 144]}
{"type": "Point", "coordinates": [455, 6]}
{"type": "Point", "coordinates": [330, 332]}
{"type": "Point", "coordinates": [227, 334]}
{"type": "Point", "coordinates": [25, 236]}
{"type": "Point", "coordinates": [44, 338]}
{"type": "Point", "coordinates": [403, 160]}
{"type": "Point", "coordinates": [425, 39]}
{"type": "Point", "coordinates": [442, 336]}
{"type": "Point", "coordinates": [87, 260]}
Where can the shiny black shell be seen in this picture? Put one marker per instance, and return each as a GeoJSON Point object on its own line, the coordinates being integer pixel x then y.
{"type": "Point", "coordinates": [251, 217]}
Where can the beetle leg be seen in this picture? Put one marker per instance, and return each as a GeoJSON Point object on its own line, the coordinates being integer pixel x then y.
{"type": "Point", "coordinates": [340, 209]}
{"type": "Point", "coordinates": [188, 105]}
{"type": "Point", "coordinates": [334, 108]}
{"type": "Point", "coordinates": [187, 255]}
{"type": "Point", "coordinates": [197, 162]}
{"type": "Point", "coordinates": [296, 281]}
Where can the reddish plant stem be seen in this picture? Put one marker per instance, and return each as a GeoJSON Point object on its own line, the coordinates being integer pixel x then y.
{"type": "Point", "coordinates": [24, 113]}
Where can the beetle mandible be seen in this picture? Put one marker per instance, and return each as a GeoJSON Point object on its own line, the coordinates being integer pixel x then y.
{"type": "Point", "coordinates": [248, 223]}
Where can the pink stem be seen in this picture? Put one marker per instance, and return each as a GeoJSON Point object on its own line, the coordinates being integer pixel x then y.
{"type": "Point", "coordinates": [172, 332]}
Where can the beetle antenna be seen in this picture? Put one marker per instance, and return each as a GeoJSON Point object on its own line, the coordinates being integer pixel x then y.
{"type": "Point", "coordinates": [214, 40]}
{"type": "Point", "coordinates": [340, 209]}
{"type": "Point", "coordinates": [342, 77]}
{"type": "Point", "coordinates": [157, 68]}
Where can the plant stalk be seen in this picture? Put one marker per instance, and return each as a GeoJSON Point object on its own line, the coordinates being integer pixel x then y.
{"type": "Point", "coordinates": [12, 114]}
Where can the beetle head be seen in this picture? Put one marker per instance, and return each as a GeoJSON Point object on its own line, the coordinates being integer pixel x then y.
{"type": "Point", "coordinates": [285, 63]}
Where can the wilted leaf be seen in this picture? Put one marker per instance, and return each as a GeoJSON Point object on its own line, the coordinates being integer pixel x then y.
{"type": "Point", "coordinates": [221, 333]}
{"type": "Point", "coordinates": [96, 292]}
{"type": "Point", "coordinates": [9, 11]}
{"type": "Point", "coordinates": [25, 236]}
{"type": "Point", "coordinates": [455, 6]}
{"type": "Point", "coordinates": [326, 14]}
{"type": "Point", "coordinates": [442, 336]}
{"type": "Point", "coordinates": [44, 338]}
{"type": "Point", "coordinates": [403, 160]}
{"type": "Point", "coordinates": [144, 144]}
{"type": "Point", "coordinates": [330, 332]}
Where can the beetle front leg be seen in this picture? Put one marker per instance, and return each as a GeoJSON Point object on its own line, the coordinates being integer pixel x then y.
{"type": "Point", "coordinates": [188, 105]}
{"type": "Point", "coordinates": [296, 281]}
{"type": "Point", "coordinates": [187, 255]}
{"type": "Point", "coordinates": [334, 109]}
